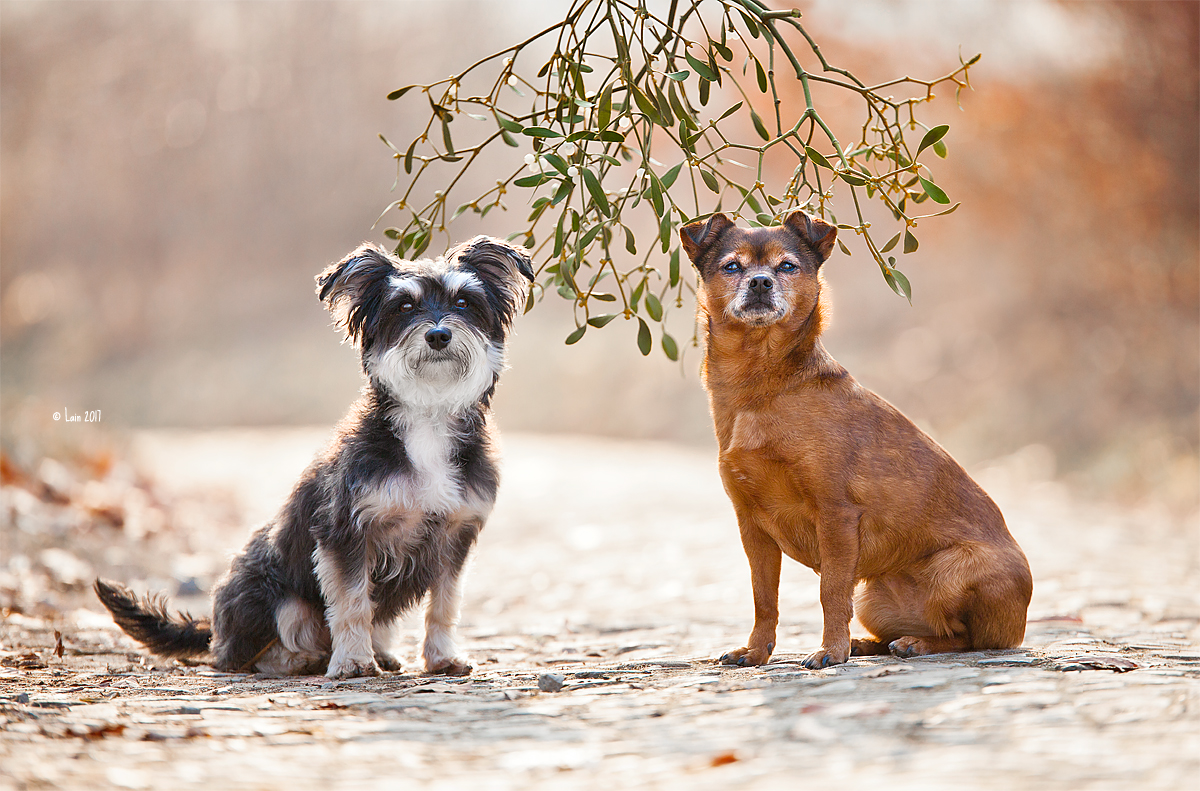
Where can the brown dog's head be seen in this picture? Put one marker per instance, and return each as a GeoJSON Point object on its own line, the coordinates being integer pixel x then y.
{"type": "Point", "coordinates": [759, 276]}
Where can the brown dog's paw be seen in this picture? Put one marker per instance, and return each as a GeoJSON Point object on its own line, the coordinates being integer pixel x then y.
{"type": "Point", "coordinates": [748, 657]}
{"type": "Point", "coordinates": [826, 657]}
{"type": "Point", "coordinates": [924, 646]}
{"type": "Point", "coordinates": [451, 667]}
{"type": "Point", "coordinates": [909, 646]}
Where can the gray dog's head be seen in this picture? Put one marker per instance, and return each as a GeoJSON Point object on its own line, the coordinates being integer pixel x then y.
{"type": "Point", "coordinates": [431, 333]}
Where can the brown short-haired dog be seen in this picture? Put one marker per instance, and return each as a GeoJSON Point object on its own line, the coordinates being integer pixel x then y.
{"type": "Point", "coordinates": [823, 469]}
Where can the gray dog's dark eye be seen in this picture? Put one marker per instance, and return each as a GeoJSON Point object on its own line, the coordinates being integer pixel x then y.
{"type": "Point", "coordinates": [732, 266]}
{"type": "Point", "coordinates": [460, 303]}
{"type": "Point", "coordinates": [407, 307]}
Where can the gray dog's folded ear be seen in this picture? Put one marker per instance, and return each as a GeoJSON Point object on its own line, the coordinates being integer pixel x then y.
{"type": "Point", "coordinates": [500, 265]}
{"type": "Point", "coordinates": [353, 288]}
{"type": "Point", "coordinates": [819, 234]}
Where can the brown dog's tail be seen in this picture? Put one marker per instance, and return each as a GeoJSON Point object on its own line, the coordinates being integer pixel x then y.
{"type": "Point", "coordinates": [147, 621]}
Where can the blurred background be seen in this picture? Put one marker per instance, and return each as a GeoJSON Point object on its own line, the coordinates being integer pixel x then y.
{"type": "Point", "coordinates": [172, 175]}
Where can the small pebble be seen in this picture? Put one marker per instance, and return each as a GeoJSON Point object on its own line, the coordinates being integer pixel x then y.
{"type": "Point", "coordinates": [550, 682]}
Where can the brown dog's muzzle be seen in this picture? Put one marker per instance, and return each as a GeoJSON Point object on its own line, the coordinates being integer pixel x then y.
{"type": "Point", "coordinates": [759, 301]}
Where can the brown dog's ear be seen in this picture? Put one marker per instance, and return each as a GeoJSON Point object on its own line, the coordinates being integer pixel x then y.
{"type": "Point", "coordinates": [819, 234]}
{"type": "Point", "coordinates": [697, 237]}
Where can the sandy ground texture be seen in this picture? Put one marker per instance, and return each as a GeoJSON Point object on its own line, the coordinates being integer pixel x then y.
{"type": "Point", "coordinates": [613, 569]}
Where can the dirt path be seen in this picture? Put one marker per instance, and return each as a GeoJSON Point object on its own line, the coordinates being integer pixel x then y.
{"type": "Point", "coordinates": [615, 566]}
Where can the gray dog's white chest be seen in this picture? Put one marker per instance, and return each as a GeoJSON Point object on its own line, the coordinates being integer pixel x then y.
{"type": "Point", "coordinates": [435, 485]}
{"type": "Point", "coordinates": [432, 483]}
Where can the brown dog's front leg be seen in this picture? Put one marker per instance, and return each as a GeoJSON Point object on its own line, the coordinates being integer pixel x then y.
{"type": "Point", "coordinates": [765, 557]}
{"type": "Point", "coordinates": [837, 535]}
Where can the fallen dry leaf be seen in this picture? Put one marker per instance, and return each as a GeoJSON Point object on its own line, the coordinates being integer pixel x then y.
{"type": "Point", "coordinates": [29, 660]}
{"type": "Point", "coordinates": [96, 732]}
{"type": "Point", "coordinates": [1094, 662]}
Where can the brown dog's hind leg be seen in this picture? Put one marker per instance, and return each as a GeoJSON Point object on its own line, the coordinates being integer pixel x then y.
{"type": "Point", "coordinates": [977, 597]}
{"type": "Point", "coordinates": [894, 608]}
{"type": "Point", "coordinates": [996, 613]}
{"type": "Point", "coordinates": [963, 598]}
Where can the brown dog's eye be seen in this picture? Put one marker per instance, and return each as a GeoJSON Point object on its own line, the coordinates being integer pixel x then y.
{"type": "Point", "coordinates": [460, 303]}
{"type": "Point", "coordinates": [732, 266]}
{"type": "Point", "coordinates": [407, 307]}
{"type": "Point", "coordinates": [786, 266]}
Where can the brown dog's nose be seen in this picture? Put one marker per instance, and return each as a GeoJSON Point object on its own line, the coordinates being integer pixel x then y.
{"type": "Point", "coordinates": [760, 284]}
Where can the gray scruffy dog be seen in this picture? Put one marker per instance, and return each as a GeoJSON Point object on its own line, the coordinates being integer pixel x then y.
{"type": "Point", "coordinates": [390, 510]}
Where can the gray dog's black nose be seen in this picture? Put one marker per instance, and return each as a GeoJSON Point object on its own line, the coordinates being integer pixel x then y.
{"type": "Point", "coordinates": [760, 284]}
{"type": "Point", "coordinates": [438, 338]}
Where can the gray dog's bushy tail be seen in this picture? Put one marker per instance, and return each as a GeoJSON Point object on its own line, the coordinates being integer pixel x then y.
{"type": "Point", "coordinates": [147, 621]}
